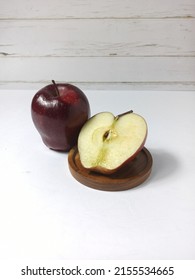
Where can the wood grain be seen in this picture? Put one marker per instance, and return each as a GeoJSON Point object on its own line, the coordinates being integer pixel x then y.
{"type": "Point", "coordinates": [22, 86]}
{"type": "Point", "coordinates": [132, 175]}
{"type": "Point", "coordinates": [33, 9]}
{"type": "Point", "coordinates": [98, 70]}
{"type": "Point", "coordinates": [134, 44]}
{"type": "Point", "coordinates": [97, 38]}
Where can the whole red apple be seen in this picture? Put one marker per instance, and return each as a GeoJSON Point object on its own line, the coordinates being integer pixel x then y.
{"type": "Point", "coordinates": [59, 111]}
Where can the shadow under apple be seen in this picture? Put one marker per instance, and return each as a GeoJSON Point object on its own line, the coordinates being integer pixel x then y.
{"type": "Point", "coordinates": [165, 164]}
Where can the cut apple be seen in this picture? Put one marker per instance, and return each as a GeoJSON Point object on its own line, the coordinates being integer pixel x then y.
{"type": "Point", "coordinates": [106, 142]}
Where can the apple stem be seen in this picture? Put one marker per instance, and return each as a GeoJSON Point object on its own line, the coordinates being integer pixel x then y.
{"type": "Point", "coordinates": [128, 112]}
{"type": "Point", "coordinates": [56, 88]}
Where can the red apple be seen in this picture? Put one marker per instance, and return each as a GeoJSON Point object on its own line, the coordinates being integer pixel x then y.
{"type": "Point", "coordinates": [59, 111]}
{"type": "Point", "coordinates": [106, 143]}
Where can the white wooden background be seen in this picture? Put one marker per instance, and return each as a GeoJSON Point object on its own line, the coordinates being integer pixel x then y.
{"type": "Point", "coordinates": [98, 44]}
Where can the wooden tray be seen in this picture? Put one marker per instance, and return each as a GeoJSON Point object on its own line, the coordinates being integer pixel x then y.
{"type": "Point", "coordinates": [132, 175]}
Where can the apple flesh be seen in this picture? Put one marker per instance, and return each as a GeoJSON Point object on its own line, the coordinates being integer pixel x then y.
{"type": "Point", "coordinates": [59, 111]}
{"type": "Point", "coordinates": [106, 143]}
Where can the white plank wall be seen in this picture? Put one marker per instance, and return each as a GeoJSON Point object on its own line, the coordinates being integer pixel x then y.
{"type": "Point", "coordinates": [98, 44]}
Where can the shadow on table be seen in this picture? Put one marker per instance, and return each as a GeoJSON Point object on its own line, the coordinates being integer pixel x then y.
{"type": "Point", "coordinates": [165, 164]}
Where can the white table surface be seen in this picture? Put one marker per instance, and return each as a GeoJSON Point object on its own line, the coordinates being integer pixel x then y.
{"type": "Point", "coordinates": [46, 213]}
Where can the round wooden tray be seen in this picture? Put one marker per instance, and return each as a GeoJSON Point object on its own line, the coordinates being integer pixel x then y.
{"type": "Point", "coordinates": [130, 176]}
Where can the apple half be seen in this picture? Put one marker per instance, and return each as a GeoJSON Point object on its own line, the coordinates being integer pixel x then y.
{"type": "Point", "coordinates": [107, 142]}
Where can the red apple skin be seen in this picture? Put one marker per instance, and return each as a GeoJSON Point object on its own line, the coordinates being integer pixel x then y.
{"type": "Point", "coordinates": [59, 114]}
